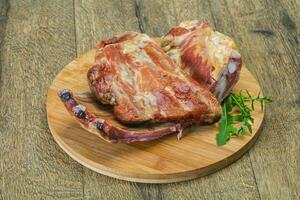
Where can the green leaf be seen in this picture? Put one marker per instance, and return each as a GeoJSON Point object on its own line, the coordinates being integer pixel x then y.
{"type": "Point", "coordinates": [237, 118]}
{"type": "Point", "coordinates": [232, 130]}
{"type": "Point", "coordinates": [222, 138]}
{"type": "Point", "coordinates": [249, 127]}
{"type": "Point", "coordinates": [223, 135]}
{"type": "Point", "coordinates": [243, 130]}
{"type": "Point", "coordinates": [228, 104]}
{"type": "Point", "coordinates": [227, 121]}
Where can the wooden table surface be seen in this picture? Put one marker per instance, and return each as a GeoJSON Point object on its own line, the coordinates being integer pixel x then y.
{"type": "Point", "coordinates": [38, 38]}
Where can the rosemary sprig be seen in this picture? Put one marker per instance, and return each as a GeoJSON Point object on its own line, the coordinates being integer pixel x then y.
{"type": "Point", "coordinates": [227, 121]}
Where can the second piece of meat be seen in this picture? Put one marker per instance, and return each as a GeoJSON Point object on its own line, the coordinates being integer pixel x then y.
{"type": "Point", "coordinates": [207, 56]}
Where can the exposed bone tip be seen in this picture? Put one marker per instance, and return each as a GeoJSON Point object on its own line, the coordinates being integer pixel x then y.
{"type": "Point", "coordinates": [65, 94]}
{"type": "Point", "coordinates": [180, 130]}
{"type": "Point", "coordinates": [179, 135]}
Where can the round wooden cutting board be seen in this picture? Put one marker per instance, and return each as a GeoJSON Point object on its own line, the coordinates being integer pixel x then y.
{"type": "Point", "coordinates": [162, 161]}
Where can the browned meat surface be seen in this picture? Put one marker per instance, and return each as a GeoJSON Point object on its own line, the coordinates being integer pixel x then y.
{"type": "Point", "coordinates": [144, 84]}
{"type": "Point", "coordinates": [207, 56]}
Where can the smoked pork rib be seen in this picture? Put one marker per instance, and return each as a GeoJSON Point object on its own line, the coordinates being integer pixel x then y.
{"type": "Point", "coordinates": [136, 76]}
{"type": "Point", "coordinates": [208, 56]}
{"type": "Point", "coordinates": [108, 131]}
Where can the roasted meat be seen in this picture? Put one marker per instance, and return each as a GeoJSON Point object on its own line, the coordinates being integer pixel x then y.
{"type": "Point", "coordinates": [144, 84]}
{"type": "Point", "coordinates": [207, 56]}
{"type": "Point", "coordinates": [139, 79]}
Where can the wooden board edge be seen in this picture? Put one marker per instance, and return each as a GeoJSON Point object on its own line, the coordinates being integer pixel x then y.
{"type": "Point", "coordinates": [168, 178]}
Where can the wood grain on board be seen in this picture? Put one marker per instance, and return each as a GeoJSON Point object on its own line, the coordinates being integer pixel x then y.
{"type": "Point", "coordinates": [162, 161]}
{"type": "Point", "coordinates": [39, 37]}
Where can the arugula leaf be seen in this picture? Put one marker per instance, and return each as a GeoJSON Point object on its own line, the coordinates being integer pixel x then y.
{"type": "Point", "coordinates": [227, 121]}
{"type": "Point", "coordinates": [226, 128]}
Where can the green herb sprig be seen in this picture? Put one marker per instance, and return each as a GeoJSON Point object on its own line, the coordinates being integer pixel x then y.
{"type": "Point", "coordinates": [227, 121]}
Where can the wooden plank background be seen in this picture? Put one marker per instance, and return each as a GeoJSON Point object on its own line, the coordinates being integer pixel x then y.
{"type": "Point", "coordinates": [38, 38]}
